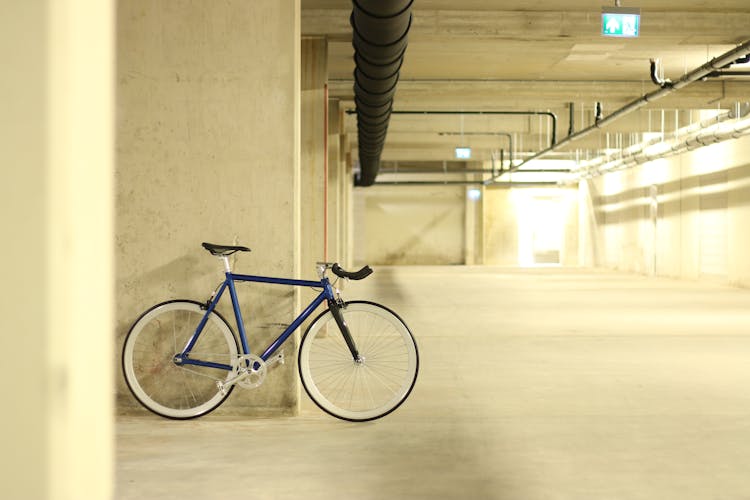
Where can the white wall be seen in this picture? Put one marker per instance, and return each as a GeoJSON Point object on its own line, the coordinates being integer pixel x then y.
{"type": "Point", "coordinates": [683, 217]}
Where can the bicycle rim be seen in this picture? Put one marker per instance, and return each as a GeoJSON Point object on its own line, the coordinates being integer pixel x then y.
{"type": "Point", "coordinates": [366, 390]}
{"type": "Point", "coordinates": [159, 384]}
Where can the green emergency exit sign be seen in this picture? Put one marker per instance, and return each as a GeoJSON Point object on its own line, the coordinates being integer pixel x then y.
{"type": "Point", "coordinates": [621, 21]}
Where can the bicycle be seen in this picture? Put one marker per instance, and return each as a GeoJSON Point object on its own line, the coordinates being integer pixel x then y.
{"type": "Point", "coordinates": [358, 360]}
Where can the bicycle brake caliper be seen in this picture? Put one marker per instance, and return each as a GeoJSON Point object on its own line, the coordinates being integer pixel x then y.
{"type": "Point", "coordinates": [339, 300]}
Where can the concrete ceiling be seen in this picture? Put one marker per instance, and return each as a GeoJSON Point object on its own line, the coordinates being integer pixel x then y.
{"type": "Point", "coordinates": [534, 55]}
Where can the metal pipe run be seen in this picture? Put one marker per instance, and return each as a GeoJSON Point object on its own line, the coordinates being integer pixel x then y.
{"type": "Point", "coordinates": [550, 114]}
{"type": "Point", "coordinates": [380, 29]}
{"type": "Point", "coordinates": [502, 151]}
{"type": "Point", "coordinates": [708, 132]}
{"type": "Point", "coordinates": [698, 73]}
{"type": "Point", "coordinates": [465, 183]}
{"type": "Point", "coordinates": [417, 170]}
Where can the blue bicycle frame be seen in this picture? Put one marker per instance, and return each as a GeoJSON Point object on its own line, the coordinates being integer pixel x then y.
{"type": "Point", "coordinates": [183, 358]}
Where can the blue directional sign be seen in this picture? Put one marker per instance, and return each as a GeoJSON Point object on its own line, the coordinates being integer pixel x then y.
{"type": "Point", "coordinates": [621, 21]}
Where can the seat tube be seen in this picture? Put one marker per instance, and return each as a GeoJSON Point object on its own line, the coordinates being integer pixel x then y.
{"type": "Point", "coordinates": [238, 314]}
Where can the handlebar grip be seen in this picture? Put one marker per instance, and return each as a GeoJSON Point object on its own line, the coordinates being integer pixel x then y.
{"type": "Point", "coordinates": [355, 275]}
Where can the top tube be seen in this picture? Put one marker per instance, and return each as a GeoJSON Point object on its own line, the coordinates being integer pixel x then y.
{"type": "Point", "coordinates": [277, 281]}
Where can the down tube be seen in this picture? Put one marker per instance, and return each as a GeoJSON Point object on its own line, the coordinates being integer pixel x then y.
{"type": "Point", "coordinates": [290, 329]}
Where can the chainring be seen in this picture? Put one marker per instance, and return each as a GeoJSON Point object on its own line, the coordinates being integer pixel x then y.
{"type": "Point", "coordinates": [250, 370]}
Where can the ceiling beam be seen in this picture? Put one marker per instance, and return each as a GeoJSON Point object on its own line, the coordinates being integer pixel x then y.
{"type": "Point", "coordinates": [668, 27]}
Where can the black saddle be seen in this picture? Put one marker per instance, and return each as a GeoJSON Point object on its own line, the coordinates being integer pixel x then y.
{"type": "Point", "coordinates": [223, 250]}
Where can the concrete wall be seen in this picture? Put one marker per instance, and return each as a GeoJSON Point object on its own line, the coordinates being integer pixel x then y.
{"type": "Point", "coordinates": [439, 225]}
{"type": "Point", "coordinates": [208, 145]}
{"type": "Point", "coordinates": [409, 225]}
{"type": "Point", "coordinates": [56, 142]}
{"type": "Point", "coordinates": [683, 217]}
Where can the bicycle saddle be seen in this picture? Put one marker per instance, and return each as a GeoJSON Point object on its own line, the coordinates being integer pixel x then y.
{"type": "Point", "coordinates": [223, 250]}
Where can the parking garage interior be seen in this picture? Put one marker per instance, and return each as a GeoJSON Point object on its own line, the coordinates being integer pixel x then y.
{"type": "Point", "coordinates": [559, 216]}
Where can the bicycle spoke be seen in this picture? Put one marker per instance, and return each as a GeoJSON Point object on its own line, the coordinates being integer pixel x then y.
{"type": "Point", "coordinates": [183, 391]}
{"type": "Point", "coordinates": [375, 385]}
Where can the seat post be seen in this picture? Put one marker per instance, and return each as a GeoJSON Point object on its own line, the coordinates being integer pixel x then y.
{"type": "Point", "coordinates": [227, 268]}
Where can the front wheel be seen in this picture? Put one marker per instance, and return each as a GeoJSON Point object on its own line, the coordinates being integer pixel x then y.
{"type": "Point", "coordinates": [370, 387]}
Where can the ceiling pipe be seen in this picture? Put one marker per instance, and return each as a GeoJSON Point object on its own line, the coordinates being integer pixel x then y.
{"type": "Point", "coordinates": [464, 183]}
{"type": "Point", "coordinates": [571, 119]}
{"type": "Point", "coordinates": [725, 72]}
{"type": "Point", "coordinates": [380, 29]}
{"type": "Point", "coordinates": [503, 134]}
{"type": "Point", "coordinates": [550, 114]}
{"type": "Point", "coordinates": [428, 183]}
{"type": "Point", "coordinates": [709, 132]}
{"type": "Point", "coordinates": [638, 150]}
{"type": "Point", "coordinates": [742, 50]}
{"type": "Point", "coordinates": [417, 170]}
{"type": "Point", "coordinates": [654, 70]}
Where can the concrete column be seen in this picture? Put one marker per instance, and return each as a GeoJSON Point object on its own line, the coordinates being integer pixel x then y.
{"type": "Point", "coordinates": [57, 143]}
{"type": "Point", "coordinates": [335, 184]}
{"type": "Point", "coordinates": [314, 179]}
{"type": "Point", "coordinates": [587, 227]}
{"type": "Point", "coordinates": [208, 134]}
{"type": "Point", "coordinates": [473, 217]}
{"type": "Point", "coordinates": [469, 231]}
{"type": "Point", "coordinates": [340, 182]}
{"type": "Point", "coordinates": [348, 204]}
{"type": "Point", "coordinates": [500, 228]}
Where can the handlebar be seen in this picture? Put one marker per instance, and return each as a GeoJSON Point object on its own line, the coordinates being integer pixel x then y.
{"type": "Point", "coordinates": [352, 275]}
{"type": "Point", "coordinates": [341, 273]}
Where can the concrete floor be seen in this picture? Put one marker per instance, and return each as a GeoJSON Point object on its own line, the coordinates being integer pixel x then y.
{"type": "Point", "coordinates": [539, 384]}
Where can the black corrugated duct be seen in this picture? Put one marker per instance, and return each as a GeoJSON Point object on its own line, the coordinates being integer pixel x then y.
{"type": "Point", "coordinates": [380, 29]}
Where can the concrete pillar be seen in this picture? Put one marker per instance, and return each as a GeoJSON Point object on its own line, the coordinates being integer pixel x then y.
{"type": "Point", "coordinates": [57, 143]}
{"type": "Point", "coordinates": [208, 134]}
{"type": "Point", "coordinates": [335, 184]}
{"type": "Point", "coordinates": [340, 187]}
{"type": "Point", "coordinates": [314, 179]}
{"type": "Point", "coordinates": [587, 227]}
{"type": "Point", "coordinates": [500, 228]}
{"type": "Point", "coordinates": [469, 230]}
{"type": "Point", "coordinates": [473, 227]}
{"type": "Point", "coordinates": [348, 205]}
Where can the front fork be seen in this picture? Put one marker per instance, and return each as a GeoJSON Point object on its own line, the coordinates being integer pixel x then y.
{"type": "Point", "coordinates": [335, 306]}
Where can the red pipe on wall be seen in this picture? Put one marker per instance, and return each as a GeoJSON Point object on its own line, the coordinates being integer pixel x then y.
{"type": "Point", "coordinates": [325, 172]}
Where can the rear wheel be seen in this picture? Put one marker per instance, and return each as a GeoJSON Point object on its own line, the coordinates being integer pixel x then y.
{"type": "Point", "coordinates": [364, 389]}
{"type": "Point", "coordinates": [160, 384]}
